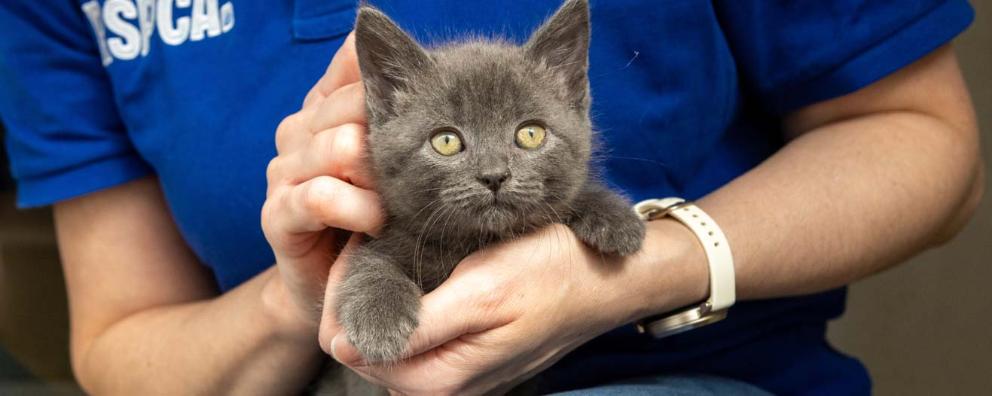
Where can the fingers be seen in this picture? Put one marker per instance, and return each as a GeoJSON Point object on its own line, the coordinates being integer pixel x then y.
{"type": "Point", "coordinates": [341, 153]}
{"type": "Point", "coordinates": [344, 105]}
{"type": "Point", "coordinates": [343, 70]}
{"type": "Point", "coordinates": [327, 202]}
{"type": "Point", "coordinates": [408, 374]}
{"type": "Point", "coordinates": [320, 178]}
{"type": "Point", "coordinates": [293, 132]}
{"type": "Point", "coordinates": [338, 152]}
{"type": "Point", "coordinates": [324, 202]}
{"type": "Point", "coordinates": [438, 371]}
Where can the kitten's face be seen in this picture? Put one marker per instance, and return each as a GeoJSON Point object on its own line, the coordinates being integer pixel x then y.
{"type": "Point", "coordinates": [479, 138]}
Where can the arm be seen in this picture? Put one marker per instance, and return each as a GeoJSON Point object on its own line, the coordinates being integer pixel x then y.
{"type": "Point", "coordinates": [867, 180]}
{"type": "Point", "coordinates": [146, 317]}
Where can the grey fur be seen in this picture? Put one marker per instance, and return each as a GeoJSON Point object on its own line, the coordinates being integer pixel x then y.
{"type": "Point", "coordinates": [437, 209]}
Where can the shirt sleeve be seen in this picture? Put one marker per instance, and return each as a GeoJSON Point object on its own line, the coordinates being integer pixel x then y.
{"type": "Point", "coordinates": [64, 136]}
{"type": "Point", "coordinates": [795, 53]}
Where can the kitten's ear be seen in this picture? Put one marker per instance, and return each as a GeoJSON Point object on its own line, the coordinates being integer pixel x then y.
{"type": "Point", "coordinates": [387, 57]}
{"type": "Point", "coordinates": [562, 44]}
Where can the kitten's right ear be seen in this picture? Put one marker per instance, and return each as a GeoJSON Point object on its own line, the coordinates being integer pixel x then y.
{"type": "Point", "coordinates": [562, 44]}
{"type": "Point", "coordinates": [387, 57]}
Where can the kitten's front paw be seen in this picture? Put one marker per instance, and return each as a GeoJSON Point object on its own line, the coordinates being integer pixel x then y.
{"type": "Point", "coordinates": [620, 233]}
{"type": "Point", "coordinates": [378, 320]}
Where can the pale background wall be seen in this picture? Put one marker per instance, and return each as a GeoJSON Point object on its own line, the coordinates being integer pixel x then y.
{"type": "Point", "coordinates": [925, 328]}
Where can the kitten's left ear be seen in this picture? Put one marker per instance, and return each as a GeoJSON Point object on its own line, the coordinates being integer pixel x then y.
{"type": "Point", "coordinates": [562, 44]}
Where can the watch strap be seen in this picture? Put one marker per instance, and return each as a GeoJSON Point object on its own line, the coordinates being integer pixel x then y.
{"type": "Point", "coordinates": [719, 259]}
{"type": "Point", "coordinates": [717, 248]}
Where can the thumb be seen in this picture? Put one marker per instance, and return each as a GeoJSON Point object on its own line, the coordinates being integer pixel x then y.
{"type": "Point", "coordinates": [329, 326]}
{"type": "Point", "coordinates": [447, 313]}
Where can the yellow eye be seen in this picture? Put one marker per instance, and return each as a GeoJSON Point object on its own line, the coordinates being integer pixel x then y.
{"type": "Point", "coordinates": [530, 136]}
{"type": "Point", "coordinates": [446, 143]}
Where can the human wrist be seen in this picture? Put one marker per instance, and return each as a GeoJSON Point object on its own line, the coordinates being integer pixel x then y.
{"type": "Point", "coordinates": [668, 273]}
{"type": "Point", "coordinates": [289, 321]}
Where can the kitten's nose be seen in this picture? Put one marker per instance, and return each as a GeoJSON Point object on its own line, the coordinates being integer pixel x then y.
{"type": "Point", "coordinates": [493, 179]}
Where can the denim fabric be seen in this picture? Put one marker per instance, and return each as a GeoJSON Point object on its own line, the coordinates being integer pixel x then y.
{"type": "Point", "coordinates": [672, 385]}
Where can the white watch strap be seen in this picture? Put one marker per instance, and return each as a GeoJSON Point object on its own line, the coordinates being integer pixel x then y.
{"type": "Point", "coordinates": [711, 237]}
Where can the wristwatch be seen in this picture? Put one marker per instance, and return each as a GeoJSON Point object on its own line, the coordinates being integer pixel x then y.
{"type": "Point", "coordinates": [718, 256]}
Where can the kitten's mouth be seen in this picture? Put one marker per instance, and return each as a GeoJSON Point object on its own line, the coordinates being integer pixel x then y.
{"type": "Point", "coordinates": [497, 206]}
{"type": "Point", "coordinates": [496, 211]}
{"type": "Point", "coordinates": [502, 201]}
{"type": "Point", "coordinates": [495, 218]}
{"type": "Point", "coordinates": [498, 200]}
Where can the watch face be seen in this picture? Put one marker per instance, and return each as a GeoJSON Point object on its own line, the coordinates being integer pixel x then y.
{"type": "Point", "coordinates": [683, 321]}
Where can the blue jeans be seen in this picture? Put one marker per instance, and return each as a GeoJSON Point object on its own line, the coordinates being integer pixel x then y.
{"type": "Point", "coordinates": [672, 385]}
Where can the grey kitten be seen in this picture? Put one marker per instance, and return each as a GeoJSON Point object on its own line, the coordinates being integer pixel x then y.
{"type": "Point", "coordinates": [471, 144]}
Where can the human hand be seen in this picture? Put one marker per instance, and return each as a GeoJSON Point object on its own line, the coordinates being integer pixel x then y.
{"type": "Point", "coordinates": [318, 186]}
{"type": "Point", "coordinates": [505, 314]}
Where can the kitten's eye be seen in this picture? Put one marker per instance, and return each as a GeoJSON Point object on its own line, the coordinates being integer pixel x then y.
{"type": "Point", "coordinates": [530, 136]}
{"type": "Point", "coordinates": [446, 143]}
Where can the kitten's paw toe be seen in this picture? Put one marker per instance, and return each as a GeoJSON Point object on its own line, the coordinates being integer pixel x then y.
{"type": "Point", "coordinates": [380, 327]}
{"type": "Point", "coordinates": [619, 237]}
{"type": "Point", "coordinates": [386, 346]}
{"type": "Point", "coordinates": [624, 240]}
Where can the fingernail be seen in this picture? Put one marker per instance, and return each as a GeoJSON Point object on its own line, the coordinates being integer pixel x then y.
{"type": "Point", "coordinates": [334, 344]}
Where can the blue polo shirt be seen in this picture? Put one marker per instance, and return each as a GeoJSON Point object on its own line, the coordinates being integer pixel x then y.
{"type": "Point", "coordinates": [688, 95]}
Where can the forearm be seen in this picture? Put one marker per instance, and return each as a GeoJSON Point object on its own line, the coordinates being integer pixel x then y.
{"type": "Point", "coordinates": [845, 201]}
{"type": "Point", "coordinates": [232, 344]}
{"type": "Point", "coordinates": [833, 206]}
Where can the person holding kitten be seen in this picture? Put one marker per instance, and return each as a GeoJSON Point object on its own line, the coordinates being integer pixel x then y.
{"type": "Point", "coordinates": [807, 133]}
